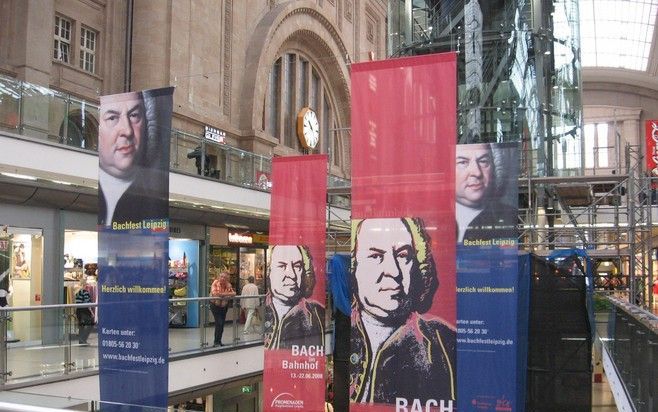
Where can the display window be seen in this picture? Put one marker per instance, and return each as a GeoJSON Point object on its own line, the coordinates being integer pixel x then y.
{"type": "Point", "coordinates": [80, 263]}
{"type": "Point", "coordinates": [239, 263]}
{"type": "Point", "coordinates": [252, 263]}
{"type": "Point", "coordinates": [21, 272]}
{"type": "Point", "coordinates": [80, 274]}
{"type": "Point", "coordinates": [183, 282]}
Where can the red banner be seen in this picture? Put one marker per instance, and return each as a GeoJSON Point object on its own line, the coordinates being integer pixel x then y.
{"type": "Point", "coordinates": [403, 235]}
{"type": "Point", "coordinates": [294, 317]}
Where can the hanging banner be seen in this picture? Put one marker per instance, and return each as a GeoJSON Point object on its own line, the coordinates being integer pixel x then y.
{"type": "Point", "coordinates": [403, 251]}
{"type": "Point", "coordinates": [486, 199]}
{"type": "Point", "coordinates": [133, 224]}
{"type": "Point", "coordinates": [293, 376]}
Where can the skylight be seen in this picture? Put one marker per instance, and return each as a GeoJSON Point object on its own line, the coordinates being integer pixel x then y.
{"type": "Point", "coordinates": [617, 33]}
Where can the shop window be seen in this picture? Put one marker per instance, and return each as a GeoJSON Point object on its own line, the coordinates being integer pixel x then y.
{"type": "Point", "coordinates": [62, 42]}
{"type": "Point", "coordinates": [88, 49]}
{"type": "Point", "coordinates": [21, 263]}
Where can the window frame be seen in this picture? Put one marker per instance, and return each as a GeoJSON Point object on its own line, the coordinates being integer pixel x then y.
{"type": "Point", "coordinates": [306, 88]}
{"type": "Point", "coordinates": [58, 39]}
{"type": "Point", "coordinates": [86, 51]}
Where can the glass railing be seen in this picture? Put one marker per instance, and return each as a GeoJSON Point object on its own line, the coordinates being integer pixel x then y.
{"type": "Point", "coordinates": [47, 114]}
{"type": "Point", "coordinates": [632, 343]}
{"type": "Point", "coordinates": [51, 348]}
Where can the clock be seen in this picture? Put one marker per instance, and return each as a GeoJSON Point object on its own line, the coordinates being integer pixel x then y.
{"type": "Point", "coordinates": [308, 128]}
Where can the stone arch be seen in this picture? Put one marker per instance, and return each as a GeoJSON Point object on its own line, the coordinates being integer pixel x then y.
{"type": "Point", "coordinates": [279, 29]}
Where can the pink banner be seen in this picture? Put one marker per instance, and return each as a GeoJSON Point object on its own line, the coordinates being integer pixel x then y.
{"type": "Point", "coordinates": [403, 235]}
{"type": "Point", "coordinates": [294, 317]}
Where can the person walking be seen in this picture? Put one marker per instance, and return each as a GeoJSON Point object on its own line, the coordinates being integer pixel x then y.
{"type": "Point", "coordinates": [249, 304]}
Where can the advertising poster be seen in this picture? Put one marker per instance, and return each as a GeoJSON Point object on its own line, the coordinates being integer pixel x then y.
{"type": "Point", "coordinates": [402, 355]}
{"type": "Point", "coordinates": [294, 374]}
{"type": "Point", "coordinates": [486, 199]}
{"type": "Point", "coordinates": [133, 221]}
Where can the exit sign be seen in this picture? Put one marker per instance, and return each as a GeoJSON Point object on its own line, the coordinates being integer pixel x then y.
{"type": "Point", "coordinates": [247, 389]}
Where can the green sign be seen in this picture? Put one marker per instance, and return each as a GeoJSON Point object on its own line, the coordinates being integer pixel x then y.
{"type": "Point", "coordinates": [247, 389]}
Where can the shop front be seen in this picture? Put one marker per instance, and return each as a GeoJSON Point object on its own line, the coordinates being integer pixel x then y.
{"type": "Point", "coordinates": [21, 277]}
{"type": "Point", "coordinates": [186, 248]}
{"type": "Point", "coordinates": [80, 268]}
{"type": "Point", "coordinates": [240, 254]}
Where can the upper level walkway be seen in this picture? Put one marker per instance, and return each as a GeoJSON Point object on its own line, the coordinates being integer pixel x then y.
{"type": "Point", "coordinates": [66, 369]}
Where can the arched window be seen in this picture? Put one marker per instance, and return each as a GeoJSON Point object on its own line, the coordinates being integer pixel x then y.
{"type": "Point", "coordinates": [80, 129]}
{"type": "Point", "coordinates": [296, 82]}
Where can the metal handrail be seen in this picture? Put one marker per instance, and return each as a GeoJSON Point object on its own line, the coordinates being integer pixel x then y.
{"type": "Point", "coordinates": [15, 407]}
{"type": "Point", "coordinates": [96, 304]}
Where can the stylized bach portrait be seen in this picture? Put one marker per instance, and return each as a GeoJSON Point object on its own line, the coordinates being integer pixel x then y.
{"type": "Point", "coordinates": [291, 317]}
{"type": "Point", "coordinates": [479, 182]}
{"type": "Point", "coordinates": [126, 185]}
{"type": "Point", "coordinates": [396, 350]}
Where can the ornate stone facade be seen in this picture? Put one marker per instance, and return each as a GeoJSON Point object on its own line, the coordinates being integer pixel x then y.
{"type": "Point", "coordinates": [218, 54]}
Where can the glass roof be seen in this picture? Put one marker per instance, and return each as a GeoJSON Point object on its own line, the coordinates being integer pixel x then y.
{"type": "Point", "coordinates": [617, 33]}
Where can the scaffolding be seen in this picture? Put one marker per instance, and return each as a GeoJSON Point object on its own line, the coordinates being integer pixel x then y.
{"type": "Point", "coordinates": [608, 215]}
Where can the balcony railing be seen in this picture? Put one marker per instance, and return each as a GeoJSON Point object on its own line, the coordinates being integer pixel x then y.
{"type": "Point", "coordinates": [50, 348]}
{"type": "Point", "coordinates": [39, 112]}
{"type": "Point", "coordinates": [632, 344]}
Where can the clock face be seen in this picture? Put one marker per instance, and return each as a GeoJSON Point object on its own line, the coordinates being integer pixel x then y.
{"type": "Point", "coordinates": [311, 129]}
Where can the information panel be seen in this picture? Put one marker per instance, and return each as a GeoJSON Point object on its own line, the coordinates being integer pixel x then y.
{"type": "Point", "coordinates": [133, 224]}
{"type": "Point", "coordinates": [403, 338]}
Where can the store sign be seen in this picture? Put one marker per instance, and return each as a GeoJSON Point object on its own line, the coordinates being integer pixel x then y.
{"type": "Point", "coordinates": [214, 135]}
{"type": "Point", "coordinates": [262, 239]}
{"type": "Point", "coordinates": [263, 180]}
{"type": "Point", "coordinates": [651, 133]}
{"type": "Point", "coordinates": [240, 238]}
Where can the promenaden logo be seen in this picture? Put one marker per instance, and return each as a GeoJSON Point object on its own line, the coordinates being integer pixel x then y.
{"type": "Point", "coordinates": [287, 400]}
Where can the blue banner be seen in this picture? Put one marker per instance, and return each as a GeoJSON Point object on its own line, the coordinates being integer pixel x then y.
{"type": "Point", "coordinates": [133, 221]}
{"type": "Point", "coordinates": [487, 277]}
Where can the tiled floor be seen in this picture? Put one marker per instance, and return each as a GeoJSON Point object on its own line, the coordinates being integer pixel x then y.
{"type": "Point", "coordinates": [602, 399]}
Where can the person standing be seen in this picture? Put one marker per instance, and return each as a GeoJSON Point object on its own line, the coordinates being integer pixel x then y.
{"type": "Point", "coordinates": [84, 315]}
{"type": "Point", "coordinates": [220, 288]}
{"type": "Point", "coordinates": [249, 304]}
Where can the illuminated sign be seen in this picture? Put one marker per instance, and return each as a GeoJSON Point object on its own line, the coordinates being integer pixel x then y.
{"type": "Point", "coordinates": [239, 238]}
